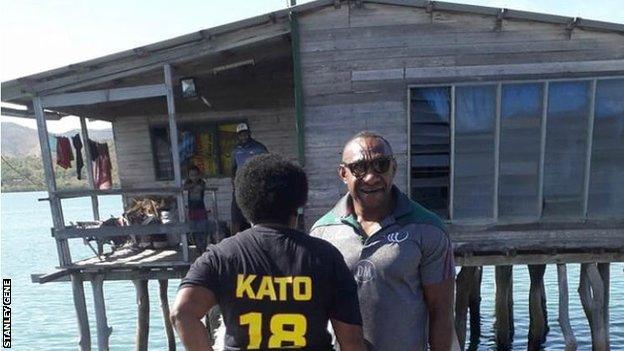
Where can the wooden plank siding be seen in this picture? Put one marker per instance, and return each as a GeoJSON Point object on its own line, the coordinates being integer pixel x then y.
{"type": "Point", "coordinates": [273, 127]}
{"type": "Point", "coordinates": [341, 46]}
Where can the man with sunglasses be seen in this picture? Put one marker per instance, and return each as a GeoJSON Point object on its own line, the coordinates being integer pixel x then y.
{"type": "Point", "coordinates": [398, 251]}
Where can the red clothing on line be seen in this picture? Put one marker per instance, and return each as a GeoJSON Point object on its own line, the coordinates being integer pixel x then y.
{"type": "Point", "coordinates": [64, 154]}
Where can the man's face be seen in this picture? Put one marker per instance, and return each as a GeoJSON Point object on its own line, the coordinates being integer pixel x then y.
{"type": "Point", "coordinates": [242, 137]}
{"type": "Point", "coordinates": [370, 186]}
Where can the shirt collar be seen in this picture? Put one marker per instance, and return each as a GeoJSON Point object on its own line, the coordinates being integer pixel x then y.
{"type": "Point", "coordinates": [342, 209]}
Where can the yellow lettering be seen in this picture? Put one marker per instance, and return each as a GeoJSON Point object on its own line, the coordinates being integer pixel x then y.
{"type": "Point", "coordinates": [283, 284]}
{"type": "Point", "coordinates": [266, 289]}
{"type": "Point", "coordinates": [302, 288]}
{"type": "Point", "coordinates": [243, 285]}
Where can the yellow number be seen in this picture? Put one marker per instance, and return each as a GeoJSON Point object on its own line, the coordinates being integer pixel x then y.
{"type": "Point", "coordinates": [254, 320]}
{"type": "Point", "coordinates": [295, 334]}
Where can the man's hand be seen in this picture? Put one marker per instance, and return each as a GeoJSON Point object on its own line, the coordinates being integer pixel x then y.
{"type": "Point", "coordinates": [439, 298]}
{"type": "Point", "coordinates": [349, 336]}
{"type": "Point", "coordinates": [191, 305]}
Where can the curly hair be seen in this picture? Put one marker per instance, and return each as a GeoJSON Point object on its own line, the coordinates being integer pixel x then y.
{"type": "Point", "coordinates": [270, 189]}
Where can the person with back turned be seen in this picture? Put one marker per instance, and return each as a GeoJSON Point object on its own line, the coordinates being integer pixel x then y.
{"type": "Point", "coordinates": [398, 251]}
{"type": "Point", "coordinates": [277, 287]}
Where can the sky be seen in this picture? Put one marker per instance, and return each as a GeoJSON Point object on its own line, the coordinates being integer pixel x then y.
{"type": "Point", "coordinates": [39, 35]}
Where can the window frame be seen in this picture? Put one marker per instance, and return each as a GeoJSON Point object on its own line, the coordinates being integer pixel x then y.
{"type": "Point", "coordinates": [210, 126]}
{"type": "Point", "coordinates": [498, 83]}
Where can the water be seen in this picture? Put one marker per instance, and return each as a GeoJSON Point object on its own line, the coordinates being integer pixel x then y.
{"type": "Point", "coordinates": [44, 317]}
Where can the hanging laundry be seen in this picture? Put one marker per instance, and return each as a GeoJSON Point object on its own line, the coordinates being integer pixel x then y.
{"type": "Point", "coordinates": [102, 168]}
{"type": "Point", "coordinates": [101, 165]}
{"type": "Point", "coordinates": [64, 154]}
{"type": "Point", "coordinates": [79, 161]}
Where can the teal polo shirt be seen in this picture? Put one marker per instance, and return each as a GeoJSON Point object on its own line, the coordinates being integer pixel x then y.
{"type": "Point", "coordinates": [409, 251]}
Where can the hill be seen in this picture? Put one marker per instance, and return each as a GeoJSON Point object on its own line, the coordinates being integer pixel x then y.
{"type": "Point", "coordinates": [20, 141]}
{"type": "Point", "coordinates": [22, 168]}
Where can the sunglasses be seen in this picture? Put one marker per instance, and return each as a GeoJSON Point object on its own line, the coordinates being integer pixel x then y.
{"type": "Point", "coordinates": [379, 165]}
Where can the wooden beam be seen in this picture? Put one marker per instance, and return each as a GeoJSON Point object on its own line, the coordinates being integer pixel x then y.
{"type": "Point", "coordinates": [461, 72]}
{"type": "Point", "coordinates": [538, 317]}
{"type": "Point", "coordinates": [474, 305]}
{"type": "Point", "coordinates": [84, 334]}
{"type": "Point", "coordinates": [564, 315]}
{"type": "Point", "coordinates": [103, 330]}
{"type": "Point", "coordinates": [95, 207]}
{"type": "Point", "coordinates": [175, 153]}
{"type": "Point", "coordinates": [13, 112]}
{"type": "Point", "coordinates": [465, 287]}
{"type": "Point", "coordinates": [68, 194]}
{"type": "Point", "coordinates": [522, 259]}
{"type": "Point", "coordinates": [164, 306]}
{"type": "Point", "coordinates": [106, 95]}
{"type": "Point", "coordinates": [136, 230]}
{"type": "Point", "coordinates": [142, 293]}
{"type": "Point", "coordinates": [298, 89]}
{"type": "Point", "coordinates": [504, 307]}
{"type": "Point", "coordinates": [48, 167]}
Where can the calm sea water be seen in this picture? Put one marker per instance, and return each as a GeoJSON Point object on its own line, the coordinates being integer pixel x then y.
{"type": "Point", "coordinates": [44, 317]}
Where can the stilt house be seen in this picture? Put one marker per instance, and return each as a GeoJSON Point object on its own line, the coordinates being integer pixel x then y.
{"type": "Point", "coordinates": [508, 124]}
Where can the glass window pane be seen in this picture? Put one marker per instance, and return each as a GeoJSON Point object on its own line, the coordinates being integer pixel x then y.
{"type": "Point", "coordinates": [606, 182]}
{"type": "Point", "coordinates": [474, 151]}
{"type": "Point", "coordinates": [566, 144]}
{"type": "Point", "coordinates": [430, 149]}
{"type": "Point", "coordinates": [521, 115]}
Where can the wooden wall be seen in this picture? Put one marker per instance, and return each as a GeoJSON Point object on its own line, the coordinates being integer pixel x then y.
{"type": "Point", "coordinates": [273, 127]}
{"type": "Point", "coordinates": [357, 63]}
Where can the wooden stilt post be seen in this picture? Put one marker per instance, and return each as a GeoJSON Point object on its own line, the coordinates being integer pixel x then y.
{"type": "Point", "coordinates": [591, 291]}
{"type": "Point", "coordinates": [564, 316]}
{"type": "Point", "coordinates": [605, 273]}
{"type": "Point", "coordinates": [84, 334]}
{"type": "Point", "coordinates": [175, 153]}
{"type": "Point", "coordinates": [474, 305]}
{"type": "Point", "coordinates": [538, 325]}
{"type": "Point", "coordinates": [504, 307]}
{"type": "Point", "coordinates": [163, 284]}
{"type": "Point", "coordinates": [461, 303]}
{"type": "Point", "coordinates": [468, 297]}
{"type": "Point", "coordinates": [103, 330]}
{"type": "Point", "coordinates": [143, 314]}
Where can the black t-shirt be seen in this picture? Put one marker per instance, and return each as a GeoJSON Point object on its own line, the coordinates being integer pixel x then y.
{"type": "Point", "coordinates": [277, 288]}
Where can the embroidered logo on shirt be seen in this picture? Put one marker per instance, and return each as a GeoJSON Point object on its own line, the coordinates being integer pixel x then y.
{"type": "Point", "coordinates": [365, 271]}
{"type": "Point", "coordinates": [397, 237]}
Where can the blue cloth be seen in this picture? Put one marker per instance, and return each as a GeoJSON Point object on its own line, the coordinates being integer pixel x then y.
{"type": "Point", "coordinates": [243, 152]}
{"type": "Point", "coordinates": [187, 146]}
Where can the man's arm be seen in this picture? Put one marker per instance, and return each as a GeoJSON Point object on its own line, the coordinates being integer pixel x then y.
{"type": "Point", "coordinates": [191, 305]}
{"type": "Point", "coordinates": [349, 336]}
{"type": "Point", "coordinates": [439, 299]}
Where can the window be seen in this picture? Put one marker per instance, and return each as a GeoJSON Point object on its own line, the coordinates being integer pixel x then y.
{"type": "Point", "coordinates": [546, 133]}
{"type": "Point", "coordinates": [566, 147]}
{"type": "Point", "coordinates": [520, 138]}
{"type": "Point", "coordinates": [475, 112]}
{"type": "Point", "coordinates": [430, 149]}
{"type": "Point", "coordinates": [205, 145]}
{"type": "Point", "coordinates": [606, 185]}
